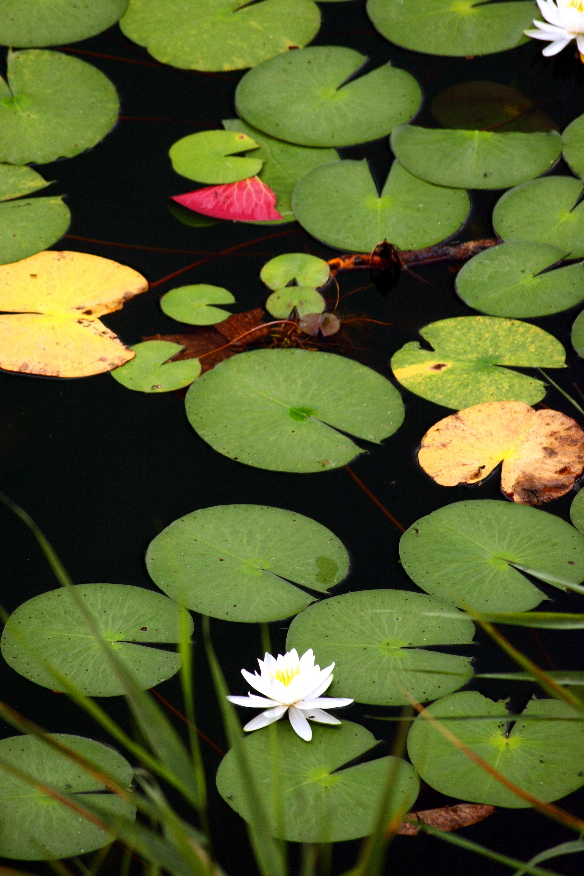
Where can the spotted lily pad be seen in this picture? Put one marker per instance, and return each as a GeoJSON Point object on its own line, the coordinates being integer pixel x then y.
{"type": "Point", "coordinates": [340, 205]}
{"type": "Point", "coordinates": [304, 269]}
{"type": "Point", "coordinates": [392, 632]}
{"type": "Point", "coordinates": [37, 827]}
{"type": "Point", "coordinates": [243, 562]}
{"type": "Point", "coordinates": [544, 758]}
{"type": "Point", "coordinates": [194, 304]}
{"type": "Point", "coordinates": [440, 27]}
{"type": "Point", "coordinates": [26, 23]}
{"type": "Point", "coordinates": [303, 299]}
{"type": "Point", "coordinates": [304, 97]}
{"type": "Point", "coordinates": [280, 409]}
{"type": "Point", "coordinates": [464, 366]}
{"type": "Point", "coordinates": [474, 159]}
{"type": "Point", "coordinates": [28, 225]}
{"type": "Point", "coordinates": [475, 553]}
{"type": "Point", "coordinates": [50, 628]}
{"type": "Point", "coordinates": [220, 34]}
{"type": "Point", "coordinates": [573, 145]}
{"type": "Point", "coordinates": [322, 799]}
{"type": "Point", "coordinates": [511, 280]}
{"type": "Point", "coordinates": [546, 210]}
{"type": "Point", "coordinates": [150, 370]}
{"type": "Point", "coordinates": [211, 157]}
{"type": "Point", "coordinates": [52, 106]}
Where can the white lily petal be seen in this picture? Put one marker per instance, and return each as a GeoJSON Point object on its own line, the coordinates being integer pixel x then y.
{"type": "Point", "coordinates": [315, 681]}
{"type": "Point", "coordinates": [306, 662]}
{"type": "Point", "coordinates": [538, 35]}
{"type": "Point", "coordinates": [319, 689]}
{"type": "Point", "coordinates": [322, 717]}
{"type": "Point", "coordinates": [580, 43]}
{"type": "Point", "coordinates": [261, 721]}
{"type": "Point", "coordinates": [552, 29]}
{"type": "Point", "coordinates": [327, 702]}
{"type": "Point", "coordinates": [299, 724]}
{"type": "Point", "coordinates": [556, 47]}
{"type": "Point", "coordinates": [253, 702]}
{"type": "Point", "coordinates": [262, 684]}
{"type": "Point", "coordinates": [550, 12]}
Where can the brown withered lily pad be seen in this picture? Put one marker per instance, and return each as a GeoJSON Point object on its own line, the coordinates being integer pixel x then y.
{"type": "Point", "coordinates": [447, 818]}
{"type": "Point", "coordinates": [542, 451]}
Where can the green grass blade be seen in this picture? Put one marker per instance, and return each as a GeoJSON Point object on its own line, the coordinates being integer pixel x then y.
{"type": "Point", "coordinates": [568, 848]}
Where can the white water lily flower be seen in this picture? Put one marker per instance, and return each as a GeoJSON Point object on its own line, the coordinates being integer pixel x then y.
{"type": "Point", "coordinates": [564, 22]}
{"type": "Point", "coordinates": [294, 685]}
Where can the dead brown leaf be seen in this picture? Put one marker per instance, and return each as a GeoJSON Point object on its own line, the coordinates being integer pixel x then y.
{"type": "Point", "coordinates": [447, 818]}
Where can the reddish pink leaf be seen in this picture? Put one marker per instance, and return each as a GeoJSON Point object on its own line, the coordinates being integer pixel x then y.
{"type": "Point", "coordinates": [249, 200]}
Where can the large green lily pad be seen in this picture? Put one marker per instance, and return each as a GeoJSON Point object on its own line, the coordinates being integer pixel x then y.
{"type": "Point", "coordinates": [511, 280]}
{"type": "Point", "coordinates": [284, 164]}
{"type": "Point", "coordinates": [25, 23]}
{"type": "Point", "coordinates": [441, 27]}
{"type": "Point", "coordinates": [545, 210]}
{"type": "Point", "coordinates": [304, 97]}
{"type": "Point", "coordinates": [578, 334]}
{"type": "Point", "coordinates": [212, 157]}
{"type": "Point", "coordinates": [51, 628]}
{"type": "Point", "coordinates": [319, 798]}
{"type": "Point", "coordinates": [30, 225]}
{"type": "Point", "coordinates": [573, 145]}
{"type": "Point", "coordinates": [150, 370]}
{"type": "Point", "coordinates": [280, 409]}
{"type": "Point", "coordinates": [52, 106]}
{"type": "Point", "coordinates": [474, 159]}
{"type": "Point", "coordinates": [379, 641]}
{"type": "Point", "coordinates": [34, 826]}
{"type": "Point", "coordinates": [489, 106]}
{"type": "Point", "coordinates": [472, 552]}
{"type": "Point", "coordinates": [340, 205]}
{"type": "Point", "coordinates": [577, 511]}
{"type": "Point", "coordinates": [242, 562]}
{"type": "Point", "coordinates": [220, 34]}
{"type": "Point", "coordinates": [464, 366]}
{"type": "Point", "coordinates": [544, 758]}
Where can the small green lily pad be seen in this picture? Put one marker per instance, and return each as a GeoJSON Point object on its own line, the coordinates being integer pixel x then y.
{"type": "Point", "coordinates": [463, 368]}
{"type": "Point", "coordinates": [16, 181]}
{"type": "Point", "coordinates": [52, 106]}
{"type": "Point", "coordinates": [193, 304]}
{"type": "Point", "coordinates": [242, 562]}
{"type": "Point", "coordinates": [320, 799]}
{"type": "Point", "coordinates": [211, 157]}
{"type": "Point", "coordinates": [340, 205]}
{"type": "Point", "coordinates": [150, 370]}
{"type": "Point", "coordinates": [545, 210]}
{"type": "Point", "coordinates": [511, 280]}
{"type": "Point", "coordinates": [441, 27]}
{"type": "Point", "coordinates": [577, 511]}
{"type": "Point", "coordinates": [484, 105]}
{"type": "Point", "coordinates": [37, 827]}
{"type": "Point", "coordinates": [544, 758]}
{"type": "Point", "coordinates": [304, 97]}
{"type": "Point", "coordinates": [578, 334]}
{"type": "Point", "coordinates": [28, 23]}
{"type": "Point", "coordinates": [280, 409]}
{"type": "Point", "coordinates": [32, 225]}
{"type": "Point", "coordinates": [50, 628]}
{"type": "Point", "coordinates": [189, 217]}
{"type": "Point", "coordinates": [304, 269]}
{"type": "Point", "coordinates": [475, 552]}
{"type": "Point", "coordinates": [391, 632]}
{"type": "Point", "coordinates": [474, 159]}
{"type": "Point", "coordinates": [573, 145]}
{"type": "Point", "coordinates": [303, 299]}
{"type": "Point", "coordinates": [220, 34]}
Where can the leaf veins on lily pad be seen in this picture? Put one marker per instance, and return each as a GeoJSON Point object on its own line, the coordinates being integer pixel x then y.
{"type": "Point", "coordinates": [542, 451]}
{"type": "Point", "coordinates": [249, 200]}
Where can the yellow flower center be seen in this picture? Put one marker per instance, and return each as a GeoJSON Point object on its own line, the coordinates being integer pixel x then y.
{"type": "Point", "coordinates": [286, 675]}
{"type": "Point", "coordinates": [578, 5]}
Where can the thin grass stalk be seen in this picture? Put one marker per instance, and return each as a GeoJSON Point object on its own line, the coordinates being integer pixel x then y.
{"type": "Point", "coordinates": [569, 848]}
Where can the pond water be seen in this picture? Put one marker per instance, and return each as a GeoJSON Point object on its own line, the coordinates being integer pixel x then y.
{"type": "Point", "coordinates": [103, 470]}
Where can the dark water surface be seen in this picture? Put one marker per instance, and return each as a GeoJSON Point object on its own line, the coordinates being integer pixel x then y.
{"type": "Point", "coordinates": [103, 469]}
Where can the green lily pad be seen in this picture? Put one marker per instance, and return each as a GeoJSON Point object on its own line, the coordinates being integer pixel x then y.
{"type": "Point", "coordinates": [193, 304]}
{"type": "Point", "coordinates": [340, 205]}
{"type": "Point", "coordinates": [544, 758]}
{"type": "Point", "coordinates": [578, 334]}
{"type": "Point", "coordinates": [147, 371]}
{"type": "Point", "coordinates": [211, 157]}
{"type": "Point", "coordinates": [220, 34]}
{"type": "Point", "coordinates": [37, 827]}
{"type": "Point", "coordinates": [32, 225]}
{"type": "Point", "coordinates": [51, 628]}
{"type": "Point", "coordinates": [321, 799]}
{"type": "Point", "coordinates": [304, 97]}
{"type": "Point", "coordinates": [472, 553]}
{"type": "Point", "coordinates": [573, 145]}
{"type": "Point", "coordinates": [284, 165]}
{"type": "Point", "coordinates": [441, 27]}
{"type": "Point", "coordinates": [474, 159]}
{"type": "Point", "coordinates": [25, 23]}
{"type": "Point", "coordinates": [242, 562]}
{"type": "Point", "coordinates": [52, 106]}
{"type": "Point", "coordinates": [484, 105]}
{"type": "Point", "coordinates": [463, 368]}
{"type": "Point", "coordinates": [304, 299]}
{"type": "Point", "coordinates": [391, 632]}
{"type": "Point", "coordinates": [280, 409]}
{"type": "Point", "coordinates": [545, 210]}
{"type": "Point", "coordinates": [511, 280]}
{"type": "Point", "coordinates": [577, 511]}
{"type": "Point", "coordinates": [304, 269]}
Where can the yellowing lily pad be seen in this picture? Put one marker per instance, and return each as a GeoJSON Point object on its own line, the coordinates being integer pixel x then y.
{"type": "Point", "coordinates": [464, 368]}
{"type": "Point", "coordinates": [542, 451]}
{"type": "Point", "coordinates": [51, 303]}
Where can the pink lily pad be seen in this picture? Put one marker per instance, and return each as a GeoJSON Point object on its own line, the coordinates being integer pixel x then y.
{"type": "Point", "coordinates": [249, 200]}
